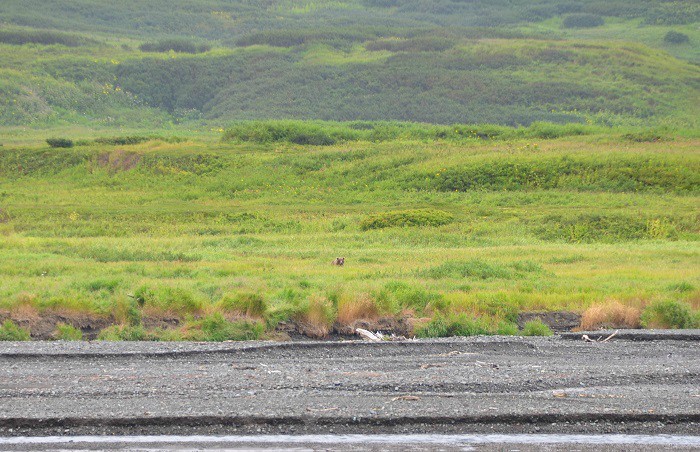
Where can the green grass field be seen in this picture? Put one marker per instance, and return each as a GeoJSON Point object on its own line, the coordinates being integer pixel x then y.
{"type": "Point", "coordinates": [208, 188]}
{"type": "Point", "coordinates": [204, 238]}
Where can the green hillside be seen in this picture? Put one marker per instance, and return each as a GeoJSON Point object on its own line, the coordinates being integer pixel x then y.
{"type": "Point", "coordinates": [112, 65]}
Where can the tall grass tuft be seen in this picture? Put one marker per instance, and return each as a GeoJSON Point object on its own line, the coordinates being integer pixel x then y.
{"type": "Point", "coordinates": [612, 314]}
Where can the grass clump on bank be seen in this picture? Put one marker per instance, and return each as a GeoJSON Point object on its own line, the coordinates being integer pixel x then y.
{"type": "Point", "coordinates": [670, 314]}
{"type": "Point", "coordinates": [10, 331]}
{"type": "Point", "coordinates": [65, 332]}
{"type": "Point", "coordinates": [536, 328]}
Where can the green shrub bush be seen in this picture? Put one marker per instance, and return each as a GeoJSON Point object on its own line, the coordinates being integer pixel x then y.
{"type": "Point", "coordinates": [536, 328]}
{"type": "Point", "coordinates": [122, 141]}
{"type": "Point", "coordinates": [176, 45]}
{"type": "Point", "coordinates": [297, 132]}
{"type": "Point", "coordinates": [59, 142]}
{"type": "Point", "coordinates": [674, 37]}
{"type": "Point", "coordinates": [406, 218]}
{"type": "Point", "coordinates": [65, 332]}
{"type": "Point", "coordinates": [669, 314]}
{"type": "Point", "coordinates": [10, 331]}
{"type": "Point", "coordinates": [507, 329]}
{"type": "Point", "coordinates": [45, 37]}
{"type": "Point", "coordinates": [215, 328]}
{"type": "Point", "coordinates": [582, 20]}
{"type": "Point", "coordinates": [124, 333]}
{"type": "Point", "coordinates": [453, 325]}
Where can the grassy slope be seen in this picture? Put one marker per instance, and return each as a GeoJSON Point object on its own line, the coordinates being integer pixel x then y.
{"type": "Point", "coordinates": [85, 227]}
{"type": "Point", "coordinates": [500, 62]}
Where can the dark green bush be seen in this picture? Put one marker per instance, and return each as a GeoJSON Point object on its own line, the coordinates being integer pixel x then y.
{"type": "Point", "coordinates": [669, 314]}
{"type": "Point", "coordinates": [406, 218]}
{"type": "Point", "coordinates": [122, 141]}
{"type": "Point", "coordinates": [10, 331]}
{"type": "Point", "coordinates": [674, 37]}
{"type": "Point", "coordinates": [176, 45]}
{"type": "Point", "coordinates": [582, 20]}
{"type": "Point", "coordinates": [45, 37]}
{"type": "Point", "coordinates": [59, 142]}
{"type": "Point", "coordinates": [297, 132]}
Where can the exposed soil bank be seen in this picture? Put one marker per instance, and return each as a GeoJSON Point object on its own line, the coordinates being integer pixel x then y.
{"type": "Point", "coordinates": [43, 326]}
{"type": "Point", "coordinates": [484, 384]}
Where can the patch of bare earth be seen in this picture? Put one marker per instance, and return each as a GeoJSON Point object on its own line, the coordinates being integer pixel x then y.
{"type": "Point", "coordinates": [118, 160]}
{"type": "Point", "coordinates": [42, 326]}
{"type": "Point", "coordinates": [557, 321]}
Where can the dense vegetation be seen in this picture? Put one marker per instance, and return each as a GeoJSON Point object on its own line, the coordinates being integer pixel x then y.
{"type": "Point", "coordinates": [162, 63]}
{"type": "Point", "coordinates": [211, 239]}
{"type": "Point", "coordinates": [188, 170]}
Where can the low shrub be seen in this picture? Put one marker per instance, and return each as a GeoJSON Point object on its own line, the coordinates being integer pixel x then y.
{"type": "Point", "coordinates": [507, 329]}
{"type": "Point", "coordinates": [10, 331]}
{"type": "Point", "coordinates": [406, 218]}
{"type": "Point", "coordinates": [669, 314]}
{"type": "Point", "coordinates": [44, 37]}
{"type": "Point", "coordinates": [610, 315]}
{"type": "Point", "coordinates": [582, 20]}
{"type": "Point", "coordinates": [176, 45]}
{"type": "Point", "coordinates": [646, 136]}
{"type": "Point", "coordinates": [418, 44]}
{"type": "Point", "coordinates": [453, 325]}
{"type": "Point", "coordinates": [536, 328]}
{"type": "Point", "coordinates": [297, 132]}
{"type": "Point", "coordinates": [65, 332]}
{"type": "Point", "coordinates": [122, 141]}
{"type": "Point", "coordinates": [247, 304]}
{"type": "Point", "coordinates": [124, 333]}
{"type": "Point", "coordinates": [215, 328]}
{"type": "Point", "coordinates": [674, 37]}
{"type": "Point", "coordinates": [59, 142]}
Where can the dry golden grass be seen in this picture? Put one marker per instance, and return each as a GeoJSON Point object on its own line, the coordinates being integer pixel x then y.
{"type": "Point", "coordinates": [694, 300]}
{"type": "Point", "coordinates": [361, 307]}
{"type": "Point", "coordinates": [611, 314]}
{"type": "Point", "coordinates": [25, 312]}
{"type": "Point", "coordinates": [317, 319]}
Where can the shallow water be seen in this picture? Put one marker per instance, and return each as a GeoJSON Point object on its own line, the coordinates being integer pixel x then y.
{"type": "Point", "coordinates": [372, 441]}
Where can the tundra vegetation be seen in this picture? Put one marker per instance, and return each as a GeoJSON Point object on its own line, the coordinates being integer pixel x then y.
{"type": "Point", "coordinates": [172, 171]}
{"type": "Point", "coordinates": [215, 237]}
